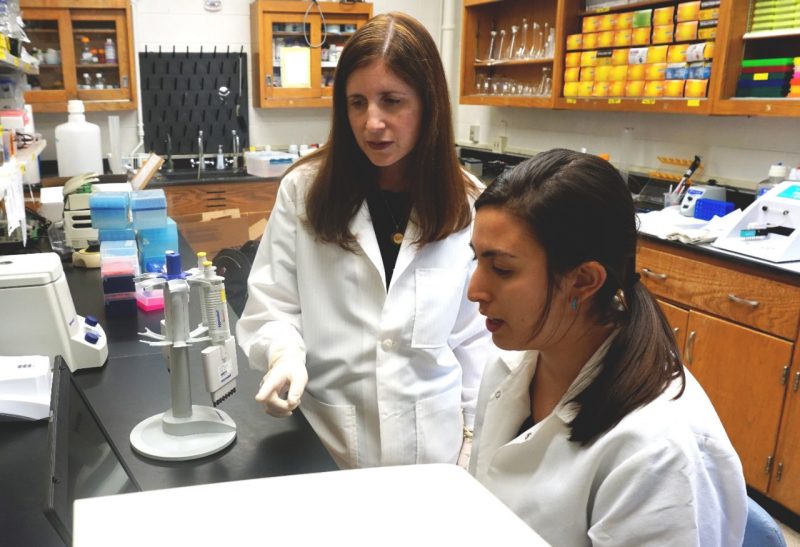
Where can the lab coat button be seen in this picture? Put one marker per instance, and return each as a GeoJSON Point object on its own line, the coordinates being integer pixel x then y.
{"type": "Point", "coordinates": [387, 344]}
{"type": "Point", "coordinates": [497, 394]}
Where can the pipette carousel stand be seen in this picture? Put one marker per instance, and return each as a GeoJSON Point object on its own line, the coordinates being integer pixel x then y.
{"type": "Point", "coordinates": [188, 431]}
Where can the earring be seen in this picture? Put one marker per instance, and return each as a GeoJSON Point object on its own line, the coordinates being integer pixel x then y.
{"type": "Point", "coordinates": [574, 303]}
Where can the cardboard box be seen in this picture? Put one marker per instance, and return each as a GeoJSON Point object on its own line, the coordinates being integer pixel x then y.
{"type": "Point", "coordinates": [213, 231]}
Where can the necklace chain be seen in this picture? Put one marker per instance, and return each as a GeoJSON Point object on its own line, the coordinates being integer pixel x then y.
{"type": "Point", "coordinates": [397, 235]}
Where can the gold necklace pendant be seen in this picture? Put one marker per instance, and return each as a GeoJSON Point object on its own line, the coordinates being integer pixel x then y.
{"type": "Point", "coordinates": [397, 238]}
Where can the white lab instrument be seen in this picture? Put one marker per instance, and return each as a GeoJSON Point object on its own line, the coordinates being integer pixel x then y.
{"type": "Point", "coordinates": [700, 191]}
{"type": "Point", "coordinates": [25, 382]}
{"type": "Point", "coordinates": [769, 228]}
{"type": "Point", "coordinates": [77, 214]}
{"type": "Point", "coordinates": [188, 431]}
{"type": "Point", "coordinates": [40, 316]}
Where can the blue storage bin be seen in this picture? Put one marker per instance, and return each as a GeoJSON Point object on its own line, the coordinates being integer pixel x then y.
{"type": "Point", "coordinates": [149, 209]}
{"type": "Point", "coordinates": [706, 209]}
{"type": "Point", "coordinates": [109, 210]}
{"type": "Point", "coordinates": [121, 234]}
{"type": "Point", "coordinates": [155, 242]}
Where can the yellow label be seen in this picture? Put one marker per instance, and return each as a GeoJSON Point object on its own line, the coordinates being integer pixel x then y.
{"type": "Point", "coordinates": [602, 10]}
{"type": "Point", "coordinates": [615, 101]}
{"type": "Point", "coordinates": [761, 76]}
{"type": "Point", "coordinates": [222, 295]}
{"type": "Point", "coordinates": [16, 61]}
{"type": "Point", "coordinates": [2, 54]}
{"type": "Point", "coordinates": [648, 101]}
{"type": "Point", "coordinates": [693, 102]}
{"type": "Point", "coordinates": [571, 101]}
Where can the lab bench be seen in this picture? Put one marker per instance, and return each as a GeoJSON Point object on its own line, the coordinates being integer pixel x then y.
{"type": "Point", "coordinates": [131, 386]}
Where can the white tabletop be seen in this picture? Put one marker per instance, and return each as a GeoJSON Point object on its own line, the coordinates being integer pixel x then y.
{"type": "Point", "coordinates": [411, 505]}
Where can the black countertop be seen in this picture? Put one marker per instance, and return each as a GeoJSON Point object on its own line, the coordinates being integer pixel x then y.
{"type": "Point", "coordinates": [134, 385]}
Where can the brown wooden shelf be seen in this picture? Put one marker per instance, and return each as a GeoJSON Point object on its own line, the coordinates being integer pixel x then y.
{"type": "Point", "coordinates": [672, 105]}
{"type": "Point", "coordinates": [633, 6]}
{"type": "Point", "coordinates": [514, 62]}
{"type": "Point", "coordinates": [508, 100]}
{"type": "Point", "coordinates": [754, 106]}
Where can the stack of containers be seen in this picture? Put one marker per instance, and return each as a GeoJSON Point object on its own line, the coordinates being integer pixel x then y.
{"type": "Point", "coordinates": [774, 15]}
{"type": "Point", "coordinates": [156, 234]}
{"type": "Point", "coordinates": [765, 77]}
{"type": "Point", "coordinates": [794, 83]}
{"type": "Point", "coordinates": [118, 261]}
{"type": "Point", "coordinates": [671, 57]}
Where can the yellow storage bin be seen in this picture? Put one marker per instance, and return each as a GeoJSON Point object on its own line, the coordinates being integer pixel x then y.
{"type": "Point", "coordinates": [587, 74]}
{"type": "Point", "coordinates": [571, 89]}
{"type": "Point", "coordinates": [655, 71]}
{"type": "Point", "coordinates": [585, 89]}
{"type": "Point", "coordinates": [686, 31]}
{"type": "Point", "coordinates": [590, 40]}
{"type": "Point", "coordinates": [657, 54]}
{"type": "Point", "coordinates": [640, 36]}
{"type": "Point", "coordinates": [677, 53]}
{"type": "Point", "coordinates": [617, 89]}
{"type": "Point", "coordinates": [622, 38]}
{"type": "Point", "coordinates": [696, 88]}
{"type": "Point", "coordinates": [634, 88]}
{"type": "Point", "coordinates": [618, 73]}
{"type": "Point", "coordinates": [572, 74]}
{"type": "Point", "coordinates": [654, 89]}
{"type": "Point", "coordinates": [663, 16]}
{"type": "Point", "coordinates": [572, 59]}
{"type": "Point", "coordinates": [600, 89]}
{"type": "Point", "coordinates": [574, 41]}
{"type": "Point", "coordinates": [602, 73]}
{"type": "Point", "coordinates": [688, 11]}
{"type": "Point", "coordinates": [588, 58]}
{"type": "Point", "coordinates": [591, 23]}
{"type": "Point", "coordinates": [663, 34]}
{"type": "Point", "coordinates": [605, 39]}
{"type": "Point", "coordinates": [674, 88]}
{"type": "Point", "coordinates": [619, 57]}
{"type": "Point", "coordinates": [623, 21]}
{"type": "Point", "coordinates": [636, 72]}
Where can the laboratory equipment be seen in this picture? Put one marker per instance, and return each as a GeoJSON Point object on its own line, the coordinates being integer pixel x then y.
{"type": "Point", "coordinates": [777, 174]}
{"type": "Point", "coordinates": [36, 300]}
{"type": "Point", "coordinates": [700, 191]}
{"type": "Point", "coordinates": [84, 462]}
{"type": "Point", "coordinates": [25, 386]}
{"type": "Point", "coordinates": [78, 146]}
{"type": "Point", "coordinates": [769, 228]}
{"type": "Point", "coordinates": [77, 211]}
{"type": "Point", "coordinates": [188, 431]}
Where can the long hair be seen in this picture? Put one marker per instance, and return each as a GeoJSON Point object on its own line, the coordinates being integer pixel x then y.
{"type": "Point", "coordinates": [438, 187]}
{"type": "Point", "coordinates": [579, 209]}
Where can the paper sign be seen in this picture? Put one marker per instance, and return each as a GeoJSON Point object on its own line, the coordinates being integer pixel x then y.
{"type": "Point", "coordinates": [295, 66]}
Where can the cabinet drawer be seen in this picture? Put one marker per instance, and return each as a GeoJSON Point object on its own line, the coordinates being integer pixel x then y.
{"type": "Point", "coordinates": [760, 303]}
{"type": "Point", "coordinates": [200, 198]}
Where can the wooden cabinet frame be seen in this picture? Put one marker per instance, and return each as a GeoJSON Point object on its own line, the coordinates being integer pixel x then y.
{"type": "Point", "coordinates": [65, 13]}
{"type": "Point", "coordinates": [730, 43]}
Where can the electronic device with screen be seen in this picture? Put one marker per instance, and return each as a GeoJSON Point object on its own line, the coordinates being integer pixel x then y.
{"type": "Point", "coordinates": [84, 462]}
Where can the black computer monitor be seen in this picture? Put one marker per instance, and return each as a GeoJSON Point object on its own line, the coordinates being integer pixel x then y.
{"type": "Point", "coordinates": [83, 461]}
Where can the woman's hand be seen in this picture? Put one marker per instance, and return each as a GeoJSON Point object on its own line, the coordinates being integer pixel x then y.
{"type": "Point", "coordinates": [282, 387]}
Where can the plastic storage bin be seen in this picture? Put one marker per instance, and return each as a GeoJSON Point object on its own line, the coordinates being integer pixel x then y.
{"type": "Point", "coordinates": [110, 210]}
{"type": "Point", "coordinates": [149, 209]}
{"type": "Point", "coordinates": [118, 257]}
{"type": "Point", "coordinates": [268, 164]}
{"type": "Point", "coordinates": [706, 209]}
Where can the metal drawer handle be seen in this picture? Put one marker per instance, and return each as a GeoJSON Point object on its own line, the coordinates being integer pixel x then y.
{"type": "Point", "coordinates": [734, 298]}
{"type": "Point", "coordinates": [650, 273]}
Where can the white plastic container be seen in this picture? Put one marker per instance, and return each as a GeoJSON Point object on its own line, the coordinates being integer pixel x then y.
{"type": "Point", "coordinates": [777, 174]}
{"type": "Point", "coordinates": [78, 146]}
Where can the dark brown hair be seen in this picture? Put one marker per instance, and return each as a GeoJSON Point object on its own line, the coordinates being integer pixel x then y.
{"type": "Point", "coordinates": [579, 209]}
{"type": "Point", "coordinates": [438, 187]}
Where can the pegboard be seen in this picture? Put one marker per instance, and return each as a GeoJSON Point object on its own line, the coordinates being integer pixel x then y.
{"type": "Point", "coordinates": [185, 92]}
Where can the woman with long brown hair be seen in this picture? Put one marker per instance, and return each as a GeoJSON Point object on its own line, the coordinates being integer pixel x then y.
{"type": "Point", "coordinates": [357, 297]}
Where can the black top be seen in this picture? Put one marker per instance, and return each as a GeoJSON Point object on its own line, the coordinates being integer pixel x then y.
{"type": "Point", "coordinates": [389, 212]}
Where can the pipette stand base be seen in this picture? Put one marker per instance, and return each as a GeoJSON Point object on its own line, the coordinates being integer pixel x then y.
{"type": "Point", "coordinates": [164, 437]}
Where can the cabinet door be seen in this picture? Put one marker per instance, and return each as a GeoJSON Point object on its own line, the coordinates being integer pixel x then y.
{"type": "Point", "coordinates": [50, 32]}
{"type": "Point", "coordinates": [101, 77]}
{"type": "Point", "coordinates": [784, 486]}
{"type": "Point", "coordinates": [339, 28]}
{"type": "Point", "coordinates": [743, 372]}
{"type": "Point", "coordinates": [677, 318]}
{"type": "Point", "coordinates": [293, 66]}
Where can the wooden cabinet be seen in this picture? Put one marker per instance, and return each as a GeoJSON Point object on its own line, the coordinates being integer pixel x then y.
{"type": "Point", "coordinates": [741, 330]}
{"type": "Point", "coordinates": [513, 81]}
{"type": "Point", "coordinates": [72, 37]}
{"type": "Point", "coordinates": [247, 197]}
{"type": "Point", "coordinates": [313, 32]}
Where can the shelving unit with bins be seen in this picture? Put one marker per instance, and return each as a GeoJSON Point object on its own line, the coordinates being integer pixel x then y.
{"type": "Point", "coordinates": [738, 43]}
{"type": "Point", "coordinates": [56, 27]}
{"type": "Point", "coordinates": [480, 17]}
{"type": "Point", "coordinates": [732, 44]}
{"type": "Point", "coordinates": [291, 23]}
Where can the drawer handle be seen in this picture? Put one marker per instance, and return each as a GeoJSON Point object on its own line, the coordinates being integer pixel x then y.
{"type": "Point", "coordinates": [734, 298]}
{"type": "Point", "coordinates": [650, 273]}
{"type": "Point", "coordinates": [689, 350]}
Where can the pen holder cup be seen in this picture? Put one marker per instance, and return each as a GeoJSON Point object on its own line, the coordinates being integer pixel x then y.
{"type": "Point", "coordinates": [671, 199]}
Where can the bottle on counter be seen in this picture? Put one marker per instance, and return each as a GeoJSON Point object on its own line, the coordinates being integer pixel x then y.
{"type": "Point", "coordinates": [78, 144]}
{"type": "Point", "coordinates": [778, 173]}
{"type": "Point", "coordinates": [220, 159]}
{"type": "Point", "coordinates": [87, 81]}
{"type": "Point", "coordinates": [99, 81]}
{"type": "Point", "coordinates": [111, 51]}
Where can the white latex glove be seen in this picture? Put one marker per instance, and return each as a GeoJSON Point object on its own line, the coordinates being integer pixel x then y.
{"type": "Point", "coordinates": [283, 384]}
{"type": "Point", "coordinates": [466, 450]}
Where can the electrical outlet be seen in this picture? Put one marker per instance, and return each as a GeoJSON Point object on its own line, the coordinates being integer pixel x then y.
{"type": "Point", "coordinates": [475, 133]}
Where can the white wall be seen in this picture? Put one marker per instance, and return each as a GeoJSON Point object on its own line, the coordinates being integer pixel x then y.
{"type": "Point", "coordinates": [737, 149]}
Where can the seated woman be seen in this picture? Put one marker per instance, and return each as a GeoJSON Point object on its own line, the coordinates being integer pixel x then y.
{"type": "Point", "coordinates": [593, 432]}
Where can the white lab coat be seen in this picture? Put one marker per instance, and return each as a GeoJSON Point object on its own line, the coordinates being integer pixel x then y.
{"type": "Point", "coordinates": [393, 374]}
{"type": "Point", "coordinates": [665, 475]}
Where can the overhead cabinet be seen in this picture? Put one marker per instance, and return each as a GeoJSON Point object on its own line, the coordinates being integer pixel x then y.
{"type": "Point", "coordinates": [296, 46]}
{"type": "Point", "coordinates": [85, 49]}
{"type": "Point", "coordinates": [698, 56]}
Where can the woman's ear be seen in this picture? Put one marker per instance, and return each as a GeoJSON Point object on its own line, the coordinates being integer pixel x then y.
{"type": "Point", "coordinates": [587, 280]}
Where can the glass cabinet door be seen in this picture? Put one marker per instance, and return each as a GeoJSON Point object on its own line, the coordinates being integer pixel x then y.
{"type": "Point", "coordinates": [49, 32]}
{"type": "Point", "coordinates": [293, 60]}
{"type": "Point", "coordinates": [100, 58]}
{"type": "Point", "coordinates": [337, 30]}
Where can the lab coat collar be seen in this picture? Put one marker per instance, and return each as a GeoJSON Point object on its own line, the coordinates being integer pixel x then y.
{"type": "Point", "coordinates": [362, 228]}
